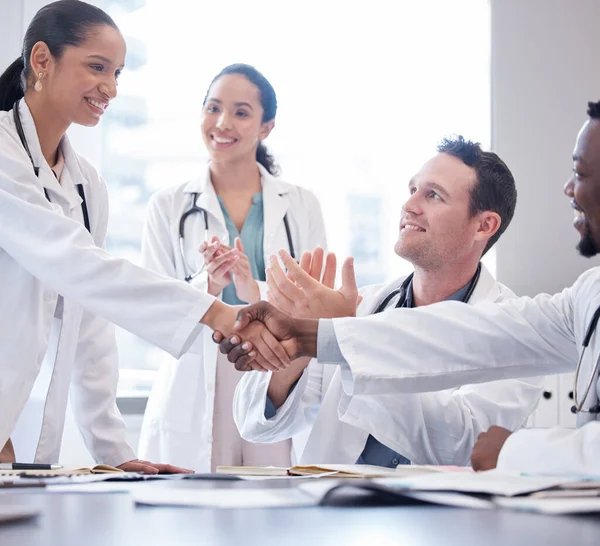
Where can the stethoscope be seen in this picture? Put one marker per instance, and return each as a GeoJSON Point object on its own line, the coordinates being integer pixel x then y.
{"type": "Point", "coordinates": [36, 170]}
{"type": "Point", "coordinates": [403, 288]}
{"type": "Point", "coordinates": [577, 407]}
{"type": "Point", "coordinates": [195, 209]}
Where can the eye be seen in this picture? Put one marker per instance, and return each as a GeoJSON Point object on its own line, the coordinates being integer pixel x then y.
{"type": "Point", "coordinates": [97, 67]}
{"type": "Point", "coordinates": [242, 114]}
{"type": "Point", "coordinates": [412, 190]}
{"type": "Point", "coordinates": [117, 74]}
{"type": "Point", "coordinates": [435, 195]}
{"type": "Point", "coordinates": [211, 109]}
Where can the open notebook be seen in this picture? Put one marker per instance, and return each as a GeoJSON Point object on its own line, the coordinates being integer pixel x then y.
{"type": "Point", "coordinates": [330, 470]}
{"type": "Point", "coordinates": [72, 470]}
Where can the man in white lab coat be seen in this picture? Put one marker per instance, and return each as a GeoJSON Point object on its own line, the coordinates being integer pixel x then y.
{"type": "Point", "coordinates": [447, 344]}
{"type": "Point", "coordinates": [459, 203]}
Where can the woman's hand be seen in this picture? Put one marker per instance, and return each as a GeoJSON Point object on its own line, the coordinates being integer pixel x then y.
{"type": "Point", "coordinates": [246, 287]}
{"type": "Point", "coordinates": [219, 260]}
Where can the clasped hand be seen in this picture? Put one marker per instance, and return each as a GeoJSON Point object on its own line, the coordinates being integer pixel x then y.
{"type": "Point", "coordinates": [287, 323]}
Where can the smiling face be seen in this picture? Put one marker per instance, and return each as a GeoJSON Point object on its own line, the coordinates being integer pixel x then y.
{"type": "Point", "coordinates": [436, 227]}
{"type": "Point", "coordinates": [79, 86]}
{"type": "Point", "coordinates": [232, 119]}
{"type": "Point", "coordinates": [583, 188]}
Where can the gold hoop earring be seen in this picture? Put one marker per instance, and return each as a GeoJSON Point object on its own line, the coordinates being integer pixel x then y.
{"type": "Point", "coordinates": [38, 84]}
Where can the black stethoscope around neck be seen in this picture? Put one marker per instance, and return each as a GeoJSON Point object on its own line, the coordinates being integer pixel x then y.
{"type": "Point", "coordinates": [578, 406]}
{"type": "Point", "coordinates": [36, 169]}
{"type": "Point", "coordinates": [195, 209]}
{"type": "Point", "coordinates": [402, 291]}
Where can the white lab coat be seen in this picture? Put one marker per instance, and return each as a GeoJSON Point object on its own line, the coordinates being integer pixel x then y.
{"type": "Point", "coordinates": [178, 422]}
{"type": "Point", "coordinates": [428, 428]}
{"type": "Point", "coordinates": [447, 344]}
{"type": "Point", "coordinates": [46, 251]}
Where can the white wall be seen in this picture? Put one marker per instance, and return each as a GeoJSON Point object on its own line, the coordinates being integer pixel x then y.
{"type": "Point", "coordinates": [544, 70]}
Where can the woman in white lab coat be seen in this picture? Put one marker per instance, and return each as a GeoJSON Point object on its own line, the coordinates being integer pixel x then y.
{"type": "Point", "coordinates": [59, 289]}
{"type": "Point", "coordinates": [245, 215]}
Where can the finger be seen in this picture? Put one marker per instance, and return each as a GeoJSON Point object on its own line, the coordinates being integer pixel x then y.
{"type": "Point", "coordinates": [316, 264]}
{"type": "Point", "coordinates": [359, 301]}
{"type": "Point", "coordinates": [224, 257]}
{"type": "Point", "coordinates": [245, 316]}
{"type": "Point", "coordinates": [171, 469]}
{"type": "Point", "coordinates": [248, 363]}
{"type": "Point", "coordinates": [217, 336]}
{"type": "Point", "coordinates": [281, 287]}
{"type": "Point", "coordinates": [228, 344]}
{"type": "Point", "coordinates": [328, 279]}
{"type": "Point", "coordinates": [300, 277]}
{"type": "Point", "coordinates": [265, 356]}
{"type": "Point", "coordinates": [210, 251]}
{"type": "Point", "coordinates": [141, 467]}
{"type": "Point", "coordinates": [280, 302]}
{"type": "Point", "coordinates": [274, 302]}
{"type": "Point", "coordinates": [238, 244]}
{"type": "Point", "coordinates": [277, 349]}
{"type": "Point", "coordinates": [305, 261]}
{"type": "Point", "coordinates": [349, 279]}
{"type": "Point", "coordinates": [222, 270]}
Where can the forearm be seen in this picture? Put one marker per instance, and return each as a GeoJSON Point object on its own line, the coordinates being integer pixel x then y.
{"type": "Point", "coordinates": [7, 454]}
{"type": "Point", "coordinates": [282, 382]}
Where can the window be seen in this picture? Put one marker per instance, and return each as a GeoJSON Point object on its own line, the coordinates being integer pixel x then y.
{"type": "Point", "coordinates": [365, 91]}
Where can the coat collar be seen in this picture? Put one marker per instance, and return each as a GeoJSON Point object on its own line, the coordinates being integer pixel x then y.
{"type": "Point", "coordinates": [275, 199]}
{"type": "Point", "coordinates": [487, 289]}
{"type": "Point", "coordinates": [73, 173]}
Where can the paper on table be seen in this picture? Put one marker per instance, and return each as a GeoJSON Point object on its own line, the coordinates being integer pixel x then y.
{"type": "Point", "coordinates": [224, 498]}
{"type": "Point", "coordinates": [550, 506]}
{"type": "Point", "coordinates": [492, 482]}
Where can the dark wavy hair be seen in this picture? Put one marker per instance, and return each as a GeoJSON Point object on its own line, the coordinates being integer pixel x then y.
{"type": "Point", "coordinates": [268, 101]}
{"type": "Point", "coordinates": [58, 25]}
{"type": "Point", "coordinates": [495, 187]}
{"type": "Point", "coordinates": [594, 110]}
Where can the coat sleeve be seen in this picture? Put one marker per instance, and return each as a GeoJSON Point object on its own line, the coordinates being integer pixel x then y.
{"type": "Point", "coordinates": [297, 413]}
{"type": "Point", "coordinates": [61, 253]}
{"type": "Point", "coordinates": [553, 451]}
{"type": "Point", "coordinates": [450, 344]}
{"type": "Point", "coordinates": [442, 427]}
{"type": "Point", "coordinates": [93, 388]}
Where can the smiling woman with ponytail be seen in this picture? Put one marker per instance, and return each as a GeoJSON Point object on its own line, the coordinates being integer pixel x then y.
{"type": "Point", "coordinates": [59, 291]}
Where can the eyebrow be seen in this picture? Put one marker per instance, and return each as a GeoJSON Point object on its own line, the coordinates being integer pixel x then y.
{"type": "Point", "coordinates": [236, 104]}
{"type": "Point", "coordinates": [103, 59]}
{"type": "Point", "coordinates": [433, 186]}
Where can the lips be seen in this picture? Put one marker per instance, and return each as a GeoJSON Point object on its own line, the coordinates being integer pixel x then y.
{"type": "Point", "coordinates": [98, 105]}
{"type": "Point", "coordinates": [410, 225]}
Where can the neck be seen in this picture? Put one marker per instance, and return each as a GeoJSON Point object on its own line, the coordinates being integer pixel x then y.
{"type": "Point", "coordinates": [50, 129]}
{"type": "Point", "coordinates": [239, 176]}
{"type": "Point", "coordinates": [432, 286]}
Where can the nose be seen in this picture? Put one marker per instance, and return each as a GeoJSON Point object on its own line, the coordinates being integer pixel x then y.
{"type": "Point", "coordinates": [569, 188]}
{"type": "Point", "coordinates": [413, 204]}
{"type": "Point", "coordinates": [224, 121]}
{"type": "Point", "coordinates": [109, 88]}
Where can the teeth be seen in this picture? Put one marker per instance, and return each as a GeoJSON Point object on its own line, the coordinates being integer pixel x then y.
{"type": "Point", "coordinates": [579, 214]}
{"type": "Point", "coordinates": [413, 228]}
{"type": "Point", "coordinates": [96, 104]}
{"type": "Point", "coordinates": [223, 140]}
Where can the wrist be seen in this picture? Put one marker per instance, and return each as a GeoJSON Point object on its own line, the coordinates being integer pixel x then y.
{"type": "Point", "coordinates": [214, 289]}
{"type": "Point", "coordinates": [220, 316]}
{"type": "Point", "coordinates": [306, 335]}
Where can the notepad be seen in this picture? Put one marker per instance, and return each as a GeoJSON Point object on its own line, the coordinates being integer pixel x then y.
{"type": "Point", "coordinates": [65, 471]}
{"type": "Point", "coordinates": [329, 470]}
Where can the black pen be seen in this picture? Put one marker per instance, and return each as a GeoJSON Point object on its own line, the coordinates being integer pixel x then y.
{"type": "Point", "coordinates": [29, 466]}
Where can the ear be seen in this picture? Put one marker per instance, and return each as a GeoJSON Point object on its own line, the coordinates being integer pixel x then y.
{"type": "Point", "coordinates": [40, 59]}
{"type": "Point", "coordinates": [488, 224]}
{"type": "Point", "coordinates": [265, 129]}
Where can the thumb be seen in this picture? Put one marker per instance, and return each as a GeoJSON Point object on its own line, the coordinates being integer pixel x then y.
{"type": "Point", "coordinates": [238, 244]}
{"type": "Point", "coordinates": [349, 288]}
{"type": "Point", "coordinates": [246, 315]}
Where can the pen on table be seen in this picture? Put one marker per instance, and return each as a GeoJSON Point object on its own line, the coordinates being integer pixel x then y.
{"type": "Point", "coordinates": [29, 466]}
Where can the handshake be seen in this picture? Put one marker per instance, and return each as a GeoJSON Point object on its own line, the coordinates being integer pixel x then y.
{"type": "Point", "coordinates": [268, 335]}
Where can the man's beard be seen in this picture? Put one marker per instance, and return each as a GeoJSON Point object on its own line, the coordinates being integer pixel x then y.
{"type": "Point", "coordinates": [587, 246]}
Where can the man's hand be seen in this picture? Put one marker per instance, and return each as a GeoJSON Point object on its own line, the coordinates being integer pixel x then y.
{"type": "Point", "coordinates": [298, 337]}
{"type": "Point", "coordinates": [487, 448]}
{"type": "Point", "coordinates": [146, 467]}
{"type": "Point", "coordinates": [7, 454]}
{"type": "Point", "coordinates": [301, 295]}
